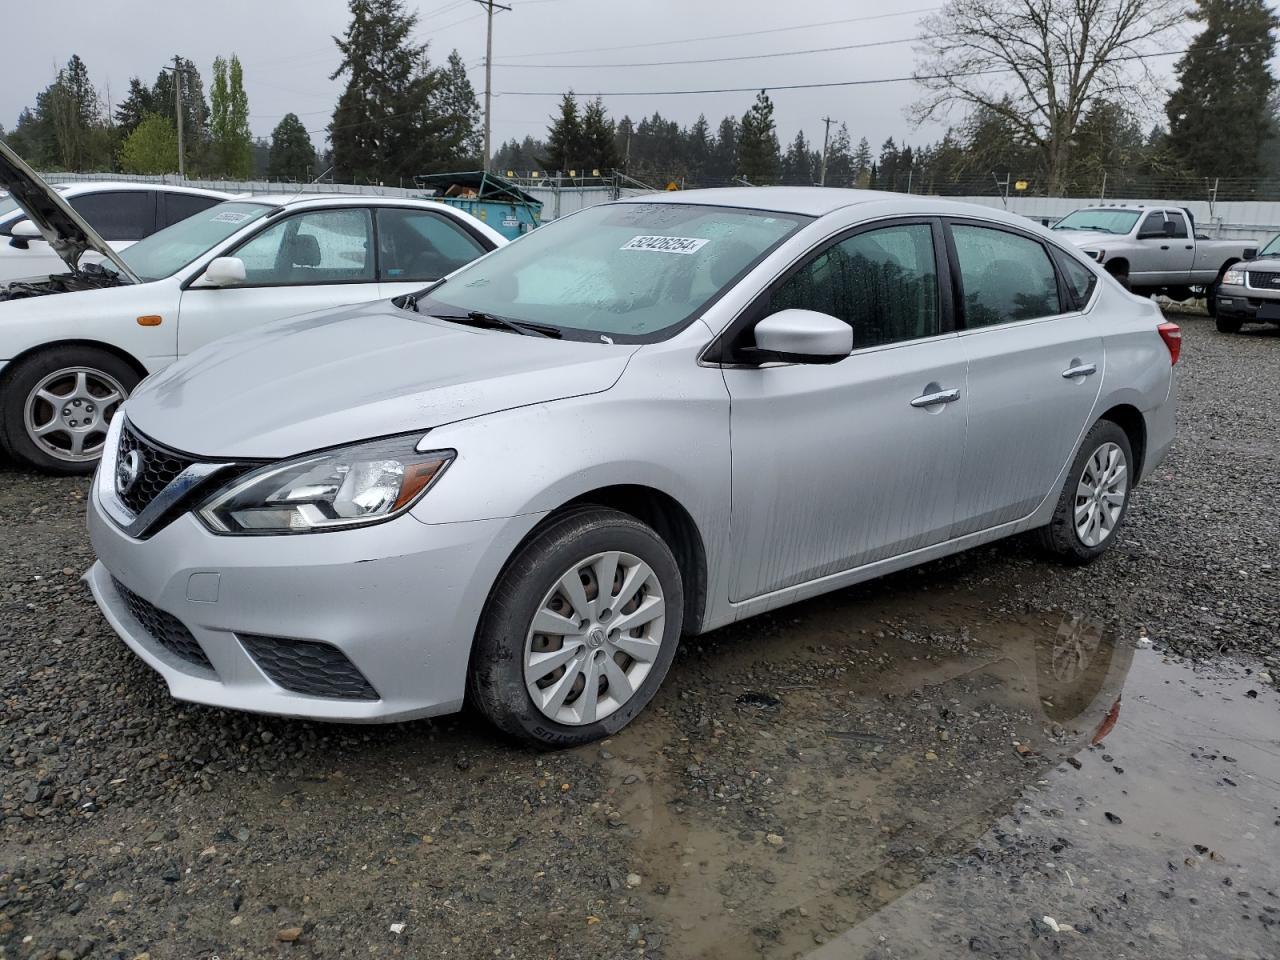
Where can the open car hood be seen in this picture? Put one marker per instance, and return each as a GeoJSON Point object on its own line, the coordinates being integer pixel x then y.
{"type": "Point", "coordinates": [67, 232]}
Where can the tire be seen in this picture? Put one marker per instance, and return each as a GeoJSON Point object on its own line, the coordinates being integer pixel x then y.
{"type": "Point", "coordinates": [1211, 302]}
{"type": "Point", "coordinates": [1227, 324]}
{"type": "Point", "coordinates": [578, 542]}
{"type": "Point", "coordinates": [1122, 278]}
{"type": "Point", "coordinates": [1062, 537]}
{"type": "Point", "coordinates": [92, 384]}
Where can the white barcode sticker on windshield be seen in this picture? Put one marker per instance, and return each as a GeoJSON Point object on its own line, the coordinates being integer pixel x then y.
{"type": "Point", "coordinates": [684, 245]}
{"type": "Point", "coordinates": [230, 216]}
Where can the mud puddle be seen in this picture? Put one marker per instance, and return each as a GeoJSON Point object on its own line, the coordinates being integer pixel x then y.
{"type": "Point", "coordinates": [1016, 787]}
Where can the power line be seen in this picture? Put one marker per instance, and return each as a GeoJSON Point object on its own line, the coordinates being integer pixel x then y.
{"type": "Point", "coordinates": [673, 63]}
{"type": "Point", "coordinates": [722, 36]}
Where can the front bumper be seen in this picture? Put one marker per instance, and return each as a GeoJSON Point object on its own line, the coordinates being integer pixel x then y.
{"type": "Point", "coordinates": [1249, 303]}
{"type": "Point", "coordinates": [400, 601]}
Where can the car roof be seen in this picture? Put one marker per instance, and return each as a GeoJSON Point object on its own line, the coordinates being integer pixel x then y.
{"type": "Point", "coordinates": [77, 187]}
{"type": "Point", "coordinates": [297, 199]}
{"type": "Point", "coordinates": [807, 201]}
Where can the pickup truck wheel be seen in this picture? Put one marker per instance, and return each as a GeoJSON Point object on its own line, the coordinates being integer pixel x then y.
{"type": "Point", "coordinates": [56, 405]}
{"type": "Point", "coordinates": [1211, 302]}
{"type": "Point", "coordinates": [1228, 324]}
{"type": "Point", "coordinates": [1122, 277]}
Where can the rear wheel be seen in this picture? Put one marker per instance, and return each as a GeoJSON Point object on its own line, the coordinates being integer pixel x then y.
{"type": "Point", "coordinates": [1094, 498]}
{"type": "Point", "coordinates": [579, 631]}
{"type": "Point", "coordinates": [56, 405]}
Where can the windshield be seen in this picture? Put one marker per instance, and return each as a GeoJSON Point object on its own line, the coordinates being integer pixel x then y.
{"type": "Point", "coordinates": [626, 272]}
{"type": "Point", "coordinates": [1272, 249]}
{"type": "Point", "coordinates": [165, 253]}
{"type": "Point", "coordinates": [1104, 221]}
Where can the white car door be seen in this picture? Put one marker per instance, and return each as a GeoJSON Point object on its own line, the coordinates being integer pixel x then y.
{"type": "Point", "coordinates": [1035, 369]}
{"type": "Point", "coordinates": [416, 247]}
{"type": "Point", "coordinates": [840, 465]}
{"type": "Point", "coordinates": [306, 261]}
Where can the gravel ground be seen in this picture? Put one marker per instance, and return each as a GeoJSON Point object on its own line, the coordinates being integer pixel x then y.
{"type": "Point", "coordinates": [802, 776]}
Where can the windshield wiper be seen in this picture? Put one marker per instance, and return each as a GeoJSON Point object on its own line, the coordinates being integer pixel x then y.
{"type": "Point", "coordinates": [478, 318]}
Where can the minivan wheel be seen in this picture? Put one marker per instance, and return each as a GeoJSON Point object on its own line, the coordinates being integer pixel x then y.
{"type": "Point", "coordinates": [579, 631]}
{"type": "Point", "coordinates": [1094, 497]}
{"type": "Point", "coordinates": [56, 405]}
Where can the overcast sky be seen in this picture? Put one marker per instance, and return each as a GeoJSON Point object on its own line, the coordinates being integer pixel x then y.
{"type": "Point", "coordinates": [287, 53]}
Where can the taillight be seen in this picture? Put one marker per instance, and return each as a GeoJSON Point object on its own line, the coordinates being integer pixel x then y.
{"type": "Point", "coordinates": [1171, 334]}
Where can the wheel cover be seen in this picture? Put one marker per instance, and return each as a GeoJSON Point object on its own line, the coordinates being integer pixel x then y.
{"type": "Point", "coordinates": [67, 413]}
{"type": "Point", "coordinates": [594, 638]}
{"type": "Point", "coordinates": [1100, 494]}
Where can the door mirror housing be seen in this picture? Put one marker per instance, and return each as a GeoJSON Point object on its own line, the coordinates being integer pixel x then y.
{"type": "Point", "coordinates": [800, 336]}
{"type": "Point", "coordinates": [223, 272]}
{"type": "Point", "coordinates": [25, 230]}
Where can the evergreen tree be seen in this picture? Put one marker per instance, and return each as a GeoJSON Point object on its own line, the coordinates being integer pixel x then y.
{"type": "Point", "coordinates": [292, 155]}
{"type": "Point", "coordinates": [724, 154]}
{"type": "Point", "coordinates": [134, 107]}
{"type": "Point", "coordinates": [887, 166]}
{"type": "Point", "coordinates": [698, 147]}
{"type": "Point", "coordinates": [600, 150]}
{"type": "Point", "coordinates": [67, 130]}
{"type": "Point", "coordinates": [758, 142]}
{"type": "Point", "coordinates": [1218, 113]}
{"type": "Point", "coordinates": [152, 148]}
{"type": "Point", "coordinates": [839, 160]}
{"type": "Point", "coordinates": [195, 110]}
{"type": "Point", "coordinates": [564, 138]}
{"type": "Point", "coordinates": [231, 142]}
{"type": "Point", "coordinates": [797, 163]}
{"type": "Point", "coordinates": [375, 127]}
{"type": "Point", "coordinates": [861, 162]}
{"type": "Point", "coordinates": [458, 134]}
{"type": "Point", "coordinates": [623, 131]}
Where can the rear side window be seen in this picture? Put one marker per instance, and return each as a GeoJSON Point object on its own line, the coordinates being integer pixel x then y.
{"type": "Point", "coordinates": [126, 215]}
{"type": "Point", "coordinates": [421, 245]}
{"type": "Point", "coordinates": [179, 206]}
{"type": "Point", "coordinates": [1005, 276]}
{"type": "Point", "coordinates": [883, 283]}
{"type": "Point", "coordinates": [1080, 279]}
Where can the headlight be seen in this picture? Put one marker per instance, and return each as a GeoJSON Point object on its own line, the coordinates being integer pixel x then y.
{"type": "Point", "coordinates": [330, 490]}
{"type": "Point", "coordinates": [1234, 278]}
{"type": "Point", "coordinates": [1095, 254]}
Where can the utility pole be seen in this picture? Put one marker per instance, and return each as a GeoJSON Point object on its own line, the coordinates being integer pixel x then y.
{"type": "Point", "coordinates": [826, 138]}
{"type": "Point", "coordinates": [489, 6]}
{"type": "Point", "coordinates": [177, 109]}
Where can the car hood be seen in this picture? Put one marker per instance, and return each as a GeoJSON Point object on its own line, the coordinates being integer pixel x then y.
{"type": "Point", "coordinates": [356, 373]}
{"type": "Point", "coordinates": [67, 232]}
{"type": "Point", "coordinates": [1084, 238]}
{"type": "Point", "coordinates": [1261, 265]}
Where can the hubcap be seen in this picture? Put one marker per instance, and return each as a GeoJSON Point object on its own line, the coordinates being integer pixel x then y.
{"type": "Point", "coordinates": [594, 638]}
{"type": "Point", "coordinates": [67, 413]}
{"type": "Point", "coordinates": [1100, 494]}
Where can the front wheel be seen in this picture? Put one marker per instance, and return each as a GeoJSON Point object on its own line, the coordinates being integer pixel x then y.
{"type": "Point", "coordinates": [1227, 324]}
{"type": "Point", "coordinates": [579, 631]}
{"type": "Point", "coordinates": [1094, 498]}
{"type": "Point", "coordinates": [55, 407]}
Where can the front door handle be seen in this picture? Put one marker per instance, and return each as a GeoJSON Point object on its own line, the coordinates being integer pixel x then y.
{"type": "Point", "coordinates": [1080, 370]}
{"type": "Point", "coordinates": [932, 399]}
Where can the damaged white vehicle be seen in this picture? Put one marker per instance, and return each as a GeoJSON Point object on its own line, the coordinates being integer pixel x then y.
{"type": "Point", "coordinates": [73, 345]}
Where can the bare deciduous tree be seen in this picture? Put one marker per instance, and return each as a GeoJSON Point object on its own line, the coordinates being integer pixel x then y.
{"type": "Point", "coordinates": [1039, 64]}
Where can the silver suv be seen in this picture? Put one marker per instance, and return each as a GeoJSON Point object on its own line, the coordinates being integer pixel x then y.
{"type": "Point", "coordinates": [524, 483]}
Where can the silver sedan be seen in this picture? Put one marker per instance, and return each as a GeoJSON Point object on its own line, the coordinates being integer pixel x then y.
{"type": "Point", "coordinates": [523, 484]}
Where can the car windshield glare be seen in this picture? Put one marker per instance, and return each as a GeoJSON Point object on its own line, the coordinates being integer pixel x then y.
{"type": "Point", "coordinates": [625, 272]}
{"type": "Point", "coordinates": [1104, 221]}
{"type": "Point", "coordinates": [166, 252]}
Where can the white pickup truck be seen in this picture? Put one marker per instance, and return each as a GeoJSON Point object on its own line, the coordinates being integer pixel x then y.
{"type": "Point", "coordinates": [1154, 249]}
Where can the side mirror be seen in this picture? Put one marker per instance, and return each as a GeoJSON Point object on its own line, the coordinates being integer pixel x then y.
{"type": "Point", "coordinates": [224, 272]}
{"type": "Point", "coordinates": [25, 230]}
{"type": "Point", "coordinates": [801, 336]}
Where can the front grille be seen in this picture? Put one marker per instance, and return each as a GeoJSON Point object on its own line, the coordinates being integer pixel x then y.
{"type": "Point", "coordinates": [310, 668]}
{"type": "Point", "coordinates": [166, 629]}
{"type": "Point", "coordinates": [157, 470]}
{"type": "Point", "coordinates": [1262, 281]}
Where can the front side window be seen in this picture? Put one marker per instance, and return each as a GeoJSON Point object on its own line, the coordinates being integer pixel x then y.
{"type": "Point", "coordinates": [1152, 226]}
{"type": "Point", "coordinates": [1005, 276]}
{"type": "Point", "coordinates": [624, 272]}
{"type": "Point", "coordinates": [883, 283]}
{"type": "Point", "coordinates": [126, 215]}
{"type": "Point", "coordinates": [166, 252]}
{"type": "Point", "coordinates": [323, 246]}
{"type": "Point", "coordinates": [421, 245]}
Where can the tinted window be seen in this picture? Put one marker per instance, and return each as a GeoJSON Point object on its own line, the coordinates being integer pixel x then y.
{"type": "Point", "coordinates": [128, 215]}
{"type": "Point", "coordinates": [1080, 279]}
{"type": "Point", "coordinates": [417, 245]}
{"type": "Point", "coordinates": [179, 206]}
{"type": "Point", "coordinates": [883, 283]}
{"type": "Point", "coordinates": [1005, 276]}
{"type": "Point", "coordinates": [1153, 224]}
{"type": "Point", "coordinates": [324, 246]}
{"type": "Point", "coordinates": [1179, 225]}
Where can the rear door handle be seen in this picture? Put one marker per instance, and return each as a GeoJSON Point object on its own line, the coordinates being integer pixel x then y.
{"type": "Point", "coordinates": [1080, 370]}
{"type": "Point", "coordinates": [932, 399]}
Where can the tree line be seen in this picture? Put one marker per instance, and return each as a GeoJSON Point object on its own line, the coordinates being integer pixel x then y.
{"type": "Point", "coordinates": [1048, 94]}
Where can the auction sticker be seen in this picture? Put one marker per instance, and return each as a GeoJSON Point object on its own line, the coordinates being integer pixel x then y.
{"type": "Point", "coordinates": [230, 216]}
{"type": "Point", "coordinates": [685, 245]}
